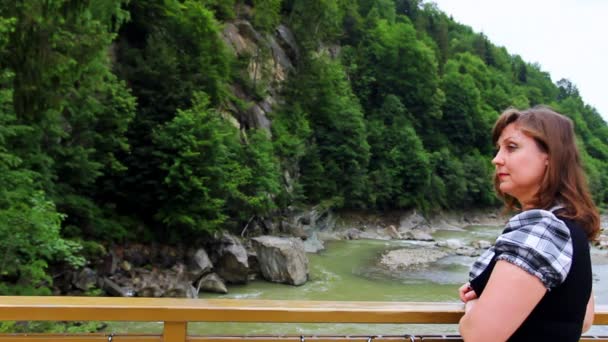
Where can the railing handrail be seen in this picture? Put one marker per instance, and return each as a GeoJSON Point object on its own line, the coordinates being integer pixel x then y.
{"type": "Point", "coordinates": [176, 313]}
{"type": "Point", "coordinates": [224, 310]}
{"type": "Point", "coordinates": [47, 308]}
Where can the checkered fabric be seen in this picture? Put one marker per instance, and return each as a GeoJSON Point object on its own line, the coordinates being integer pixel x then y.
{"type": "Point", "coordinates": [536, 241]}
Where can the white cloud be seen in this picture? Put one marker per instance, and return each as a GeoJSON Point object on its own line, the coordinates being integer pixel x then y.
{"type": "Point", "coordinates": [565, 37]}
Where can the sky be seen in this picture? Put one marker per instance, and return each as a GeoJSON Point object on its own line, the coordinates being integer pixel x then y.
{"type": "Point", "coordinates": [567, 38]}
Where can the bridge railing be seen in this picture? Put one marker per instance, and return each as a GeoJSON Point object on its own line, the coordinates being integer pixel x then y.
{"type": "Point", "coordinates": [177, 313]}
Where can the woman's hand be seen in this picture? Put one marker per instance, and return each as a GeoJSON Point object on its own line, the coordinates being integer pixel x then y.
{"type": "Point", "coordinates": [466, 293]}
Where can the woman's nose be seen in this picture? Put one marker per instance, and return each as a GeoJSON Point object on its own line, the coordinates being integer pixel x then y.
{"type": "Point", "coordinates": [498, 160]}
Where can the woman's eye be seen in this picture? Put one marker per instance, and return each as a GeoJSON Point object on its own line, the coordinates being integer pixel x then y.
{"type": "Point", "coordinates": [511, 147]}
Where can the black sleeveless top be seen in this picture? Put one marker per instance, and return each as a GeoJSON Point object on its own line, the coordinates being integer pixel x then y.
{"type": "Point", "coordinates": [560, 313]}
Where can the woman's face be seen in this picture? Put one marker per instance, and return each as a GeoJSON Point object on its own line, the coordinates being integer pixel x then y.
{"type": "Point", "coordinates": [520, 164]}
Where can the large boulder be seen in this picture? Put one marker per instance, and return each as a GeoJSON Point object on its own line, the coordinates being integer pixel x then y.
{"type": "Point", "coordinates": [232, 264]}
{"type": "Point", "coordinates": [414, 226]}
{"type": "Point", "coordinates": [282, 260]}
{"type": "Point", "coordinates": [212, 283]}
{"type": "Point", "coordinates": [411, 221]}
{"type": "Point", "coordinates": [199, 265]}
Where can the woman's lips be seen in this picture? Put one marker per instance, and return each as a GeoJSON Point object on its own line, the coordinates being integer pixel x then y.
{"type": "Point", "coordinates": [502, 174]}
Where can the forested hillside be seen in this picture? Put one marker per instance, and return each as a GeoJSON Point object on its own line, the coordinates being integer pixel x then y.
{"type": "Point", "coordinates": [130, 120]}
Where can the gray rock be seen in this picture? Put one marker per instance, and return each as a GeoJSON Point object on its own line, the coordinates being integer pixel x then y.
{"type": "Point", "coordinates": [233, 265]}
{"type": "Point", "coordinates": [150, 291]}
{"type": "Point", "coordinates": [313, 244]}
{"type": "Point", "coordinates": [374, 234]}
{"type": "Point", "coordinates": [294, 230]}
{"type": "Point", "coordinates": [212, 283]}
{"type": "Point", "coordinates": [413, 221]}
{"type": "Point", "coordinates": [392, 232]}
{"type": "Point", "coordinates": [109, 264]}
{"type": "Point", "coordinates": [454, 244]}
{"type": "Point", "coordinates": [420, 235]}
{"type": "Point", "coordinates": [183, 291]}
{"type": "Point", "coordinates": [85, 280]}
{"type": "Point", "coordinates": [481, 244]}
{"type": "Point", "coordinates": [288, 42]}
{"type": "Point", "coordinates": [352, 234]}
{"type": "Point", "coordinates": [254, 265]}
{"type": "Point", "coordinates": [116, 290]}
{"type": "Point", "coordinates": [467, 251]}
{"type": "Point", "coordinates": [200, 264]}
{"type": "Point", "coordinates": [282, 260]}
{"type": "Point", "coordinates": [233, 39]}
{"type": "Point", "coordinates": [282, 64]}
{"type": "Point", "coordinates": [258, 118]}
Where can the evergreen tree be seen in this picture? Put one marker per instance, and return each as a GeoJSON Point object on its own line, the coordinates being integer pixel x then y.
{"type": "Point", "coordinates": [199, 153]}
{"type": "Point", "coordinates": [166, 52]}
{"type": "Point", "coordinates": [399, 165]}
{"type": "Point", "coordinates": [64, 90]}
{"type": "Point", "coordinates": [29, 222]}
{"type": "Point", "coordinates": [339, 134]}
{"type": "Point", "coordinates": [267, 15]}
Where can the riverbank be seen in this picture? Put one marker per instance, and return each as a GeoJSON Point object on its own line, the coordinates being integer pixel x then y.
{"type": "Point", "coordinates": [276, 252]}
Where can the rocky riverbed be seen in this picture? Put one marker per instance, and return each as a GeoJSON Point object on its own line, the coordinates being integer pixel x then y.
{"type": "Point", "coordinates": [275, 252]}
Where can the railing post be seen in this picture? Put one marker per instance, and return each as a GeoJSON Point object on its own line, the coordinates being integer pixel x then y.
{"type": "Point", "coordinates": [175, 331]}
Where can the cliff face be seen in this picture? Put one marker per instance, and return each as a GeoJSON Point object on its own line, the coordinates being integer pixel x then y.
{"type": "Point", "coordinates": [267, 60]}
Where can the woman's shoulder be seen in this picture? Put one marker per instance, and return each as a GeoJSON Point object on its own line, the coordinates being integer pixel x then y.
{"type": "Point", "coordinates": [540, 243]}
{"type": "Point", "coordinates": [539, 222]}
{"type": "Point", "coordinates": [538, 229]}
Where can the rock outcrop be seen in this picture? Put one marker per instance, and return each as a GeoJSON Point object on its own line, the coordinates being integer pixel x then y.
{"type": "Point", "coordinates": [232, 264]}
{"type": "Point", "coordinates": [282, 260]}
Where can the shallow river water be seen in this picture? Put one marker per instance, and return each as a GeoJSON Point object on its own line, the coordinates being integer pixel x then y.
{"type": "Point", "coordinates": [349, 271]}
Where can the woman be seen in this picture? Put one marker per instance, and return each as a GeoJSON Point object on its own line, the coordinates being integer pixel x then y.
{"type": "Point", "coordinates": [534, 284]}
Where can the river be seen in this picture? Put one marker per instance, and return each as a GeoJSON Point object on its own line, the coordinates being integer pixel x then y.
{"type": "Point", "coordinates": [349, 271]}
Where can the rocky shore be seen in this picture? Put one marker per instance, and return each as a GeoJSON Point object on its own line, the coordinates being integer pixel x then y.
{"type": "Point", "coordinates": [273, 251]}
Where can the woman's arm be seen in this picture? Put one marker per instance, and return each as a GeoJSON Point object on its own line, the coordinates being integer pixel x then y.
{"type": "Point", "coordinates": [507, 300]}
{"type": "Point", "coordinates": [589, 313]}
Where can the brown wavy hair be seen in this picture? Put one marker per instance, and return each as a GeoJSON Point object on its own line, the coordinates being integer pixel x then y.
{"type": "Point", "coordinates": [564, 181]}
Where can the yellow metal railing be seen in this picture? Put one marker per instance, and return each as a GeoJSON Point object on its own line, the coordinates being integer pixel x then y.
{"type": "Point", "coordinates": [176, 313]}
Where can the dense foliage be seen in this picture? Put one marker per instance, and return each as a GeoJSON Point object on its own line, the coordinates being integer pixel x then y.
{"type": "Point", "coordinates": [133, 119]}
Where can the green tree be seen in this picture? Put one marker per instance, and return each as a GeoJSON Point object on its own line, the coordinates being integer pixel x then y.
{"type": "Point", "coordinates": [399, 166]}
{"type": "Point", "coordinates": [65, 92]}
{"type": "Point", "coordinates": [199, 153]}
{"type": "Point", "coordinates": [29, 221]}
{"type": "Point", "coordinates": [393, 61]}
{"type": "Point", "coordinates": [462, 120]}
{"type": "Point", "coordinates": [317, 21]}
{"type": "Point", "coordinates": [263, 184]}
{"type": "Point", "coordinates": [166, 52]}
{"type": "Point", "coordinates": [267, 14]}
{"type": "Point", "coordinates": [339, 134]}
{"type": "Point", "coordinates": [212, 181]}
